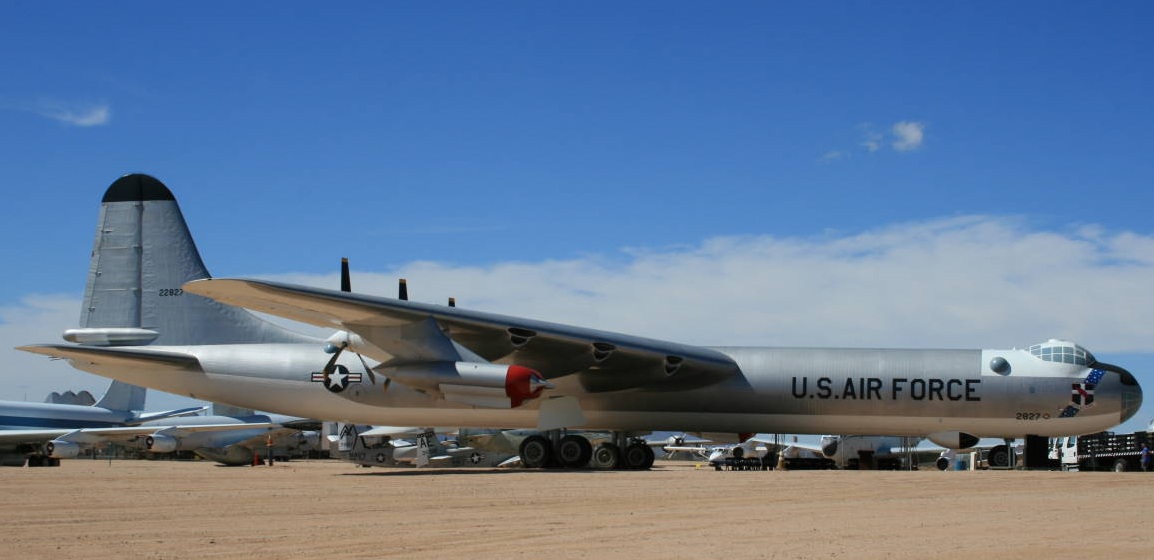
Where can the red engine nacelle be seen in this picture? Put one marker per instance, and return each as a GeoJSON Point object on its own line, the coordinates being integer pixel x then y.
{"type": "Point", "coordinates": [477, 384]}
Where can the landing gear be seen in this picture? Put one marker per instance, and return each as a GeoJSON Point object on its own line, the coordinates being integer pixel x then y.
{"type": "Point", "coordinates": [605, 456]}
{"type": "Point", "coordinates": [536, 452]}
{"type": "Point", "coordinates": [999, 457]}
{"type": "Point", "coordinates": [574, 452]}
{"type": "Point", "coordinates": [637, 456]}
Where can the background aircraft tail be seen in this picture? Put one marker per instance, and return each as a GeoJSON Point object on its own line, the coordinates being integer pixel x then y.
{"type": "Point", "coordinates": [122, 397]}
{"type": "Point", "coordinates": [142, 255]}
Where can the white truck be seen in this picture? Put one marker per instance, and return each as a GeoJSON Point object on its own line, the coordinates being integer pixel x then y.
{"type": "Point", "coordinates": [1103, 451]}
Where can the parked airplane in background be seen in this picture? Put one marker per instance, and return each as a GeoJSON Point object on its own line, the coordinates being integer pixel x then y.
{"type": "Point", "coordinates": [402, 363]}
{"type": "Point", "coordinates": [27, 428]}
{"type": "Point", "coordinates": [234, 437]}
{"type": "Point", "coordinates": [389, 446]}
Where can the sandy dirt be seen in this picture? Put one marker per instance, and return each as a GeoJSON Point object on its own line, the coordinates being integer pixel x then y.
{"type": "Point", "coordinates": [168, 509]}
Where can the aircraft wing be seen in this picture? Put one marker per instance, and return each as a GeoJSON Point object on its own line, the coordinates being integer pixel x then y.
{"type": "Point", "coordinates": [118, 357]}
{"type": "Point", "coordinates": [91, 436]}
{"type": "Point", "coordinates": [129, 433]}
{"type": "Point", "coordinates": [31, 437]}
{"type": "Point", "coordinates": [401, 431]}
{"type": "Point", "coordinates": [406, 332]}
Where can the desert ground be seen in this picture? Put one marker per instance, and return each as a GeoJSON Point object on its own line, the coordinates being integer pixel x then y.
{"type": "Point", "coordinates": [329, 509]}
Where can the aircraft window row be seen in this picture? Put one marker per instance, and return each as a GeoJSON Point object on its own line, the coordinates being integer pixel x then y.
{"type": "Point", "coordinates": [1062, 354]}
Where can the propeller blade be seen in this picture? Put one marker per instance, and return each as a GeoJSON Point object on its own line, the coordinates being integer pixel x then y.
{"type": "Point", "coordinates": [368, 370]}
{"type": "Point", "coordinates": [403, 290]}
{"type": "Point", "coordinates": [346, 283]}
{"type": "Point", "coordinates": [452, 302]}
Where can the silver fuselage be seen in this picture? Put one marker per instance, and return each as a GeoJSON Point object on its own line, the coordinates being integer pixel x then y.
{"type": "Point", "coordinates": [778, 390]}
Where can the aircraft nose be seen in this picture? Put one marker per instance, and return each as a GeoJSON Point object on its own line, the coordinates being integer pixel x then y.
{"type": "Point", "coordinates": [1131, 391]}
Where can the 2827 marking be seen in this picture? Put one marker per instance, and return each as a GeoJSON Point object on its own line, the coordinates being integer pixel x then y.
{"type": "Point", "coordinates": [1028, 416]}
{"type": "Point", "coordinates": [171, 292]}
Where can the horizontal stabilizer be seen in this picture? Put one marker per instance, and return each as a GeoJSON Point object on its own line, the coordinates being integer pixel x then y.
{"type": "Point", "coordinates": [149, 416]}
{"type": "Point", "coordinates": [118, 357]}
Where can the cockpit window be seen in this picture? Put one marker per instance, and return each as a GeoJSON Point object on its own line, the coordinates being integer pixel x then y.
{"type": "Point", "coordinates": [1062, 351]}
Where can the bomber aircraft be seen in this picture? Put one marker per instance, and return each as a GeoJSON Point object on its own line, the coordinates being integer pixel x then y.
{"type": "Point", "coordinates": [156, 318]}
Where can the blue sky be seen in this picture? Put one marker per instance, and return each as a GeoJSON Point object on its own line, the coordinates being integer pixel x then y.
{"type": "Point", "coordinates": [867, 173]}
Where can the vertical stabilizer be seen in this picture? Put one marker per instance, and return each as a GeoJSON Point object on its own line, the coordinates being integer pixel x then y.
{"type": "Point", "coordinates": [142, 255]}
{"type": "Point", "coordinates": [122, 397]}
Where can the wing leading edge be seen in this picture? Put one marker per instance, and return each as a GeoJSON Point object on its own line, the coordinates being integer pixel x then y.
{"type": "Point", "coordinates": [407, 332]}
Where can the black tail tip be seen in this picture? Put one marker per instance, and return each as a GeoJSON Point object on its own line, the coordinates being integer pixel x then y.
{"type": "Point", "coordinates": [137, 187]}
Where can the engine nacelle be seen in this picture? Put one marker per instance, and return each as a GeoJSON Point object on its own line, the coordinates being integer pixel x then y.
{"type": "Point", "coordinates": [477, 384]}
{"type": "Point", "coordinates": [60, 449]}
{"type": "Point", "coordinates": [159, 443]}
{"type": "Point", "coordinates": [946, 459]}
{"type": "Point", "coordinates": [953, 440]}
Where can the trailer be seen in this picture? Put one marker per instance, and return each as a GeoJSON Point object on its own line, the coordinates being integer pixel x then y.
{"type": "Point", "coordinates": [1102, 451]}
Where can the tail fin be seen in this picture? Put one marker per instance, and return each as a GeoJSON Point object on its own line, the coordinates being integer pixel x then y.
{"type": "Point", "coordinates": [142, 255]}
{"type": "Point", "coordinates": [122, 396]}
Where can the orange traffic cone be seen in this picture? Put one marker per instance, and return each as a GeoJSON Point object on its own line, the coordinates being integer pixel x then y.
{"type": "Point", "coordinates": [255, 459]}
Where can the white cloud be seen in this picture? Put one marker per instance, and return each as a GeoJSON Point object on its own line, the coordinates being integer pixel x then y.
{"type": "Point", "coordinates": [960, 282]}
{"type": "Point", "coordinates": [71, 113]}
{"type": "Point", "coordinates": [964, 282]}
{"type": "Point", "coordinates": [92, 115]}
{"type": "Point", "coordinates": [909, 135]}
{"type": "Point", "coordinates": [871, 139]}
{"type": "Point", "coordinates": [829, 156]}
{"type": "Point", "coordinates": [904, 136]}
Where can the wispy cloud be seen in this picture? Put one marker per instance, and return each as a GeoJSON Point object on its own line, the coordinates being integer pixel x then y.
{"type": "Point", "coordinates": [908, 135]}
{"type": "Point", "coordinates": [82, 114]}
{"type": "Point", "coordinates": [871, 139]}
{"type": "Point", "coordinates": [903, 136]}
{"type": "Point", "coordinates": [832, 155]}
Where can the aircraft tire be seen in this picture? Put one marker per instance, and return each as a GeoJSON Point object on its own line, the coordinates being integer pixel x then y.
{"type": "Point", "coordinates": [605, 456]}
{"type": "Point", "coordinates": [634, 457]}
{"type": "Point", "coordinates": [535, 452]}
{"type": "Point", "coordinates": [999, 457]}
{"type": "Point", "coordinates": [574, 452]}
{"type": "Point", "coordinates": [650, 457]}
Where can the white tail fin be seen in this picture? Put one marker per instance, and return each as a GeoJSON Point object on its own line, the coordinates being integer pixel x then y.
{"type": "Point", "coordinates": [142, 256]}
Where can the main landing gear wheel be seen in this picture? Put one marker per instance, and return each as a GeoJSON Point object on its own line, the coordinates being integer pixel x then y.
{"type": "Point", "coordinates": [637, 456]}
{"type": "Point", "coordinates": [574, 452]}
{"type": "Point", "coordinates": [535, 452]}
{"type": "Point", "coordinates": [605, 456]}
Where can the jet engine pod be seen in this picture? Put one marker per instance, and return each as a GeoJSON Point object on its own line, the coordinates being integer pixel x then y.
{"type": "Point", "coordinates": [946, 460]}
{"type": "Point", "coordinates": [159, 443]}
{"type": "Point", "coordinates": [476, 384]}
{"type": "Point", "coordinates": [953, 440]}
{"type": "Point", "coordinates": [59, 449]}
